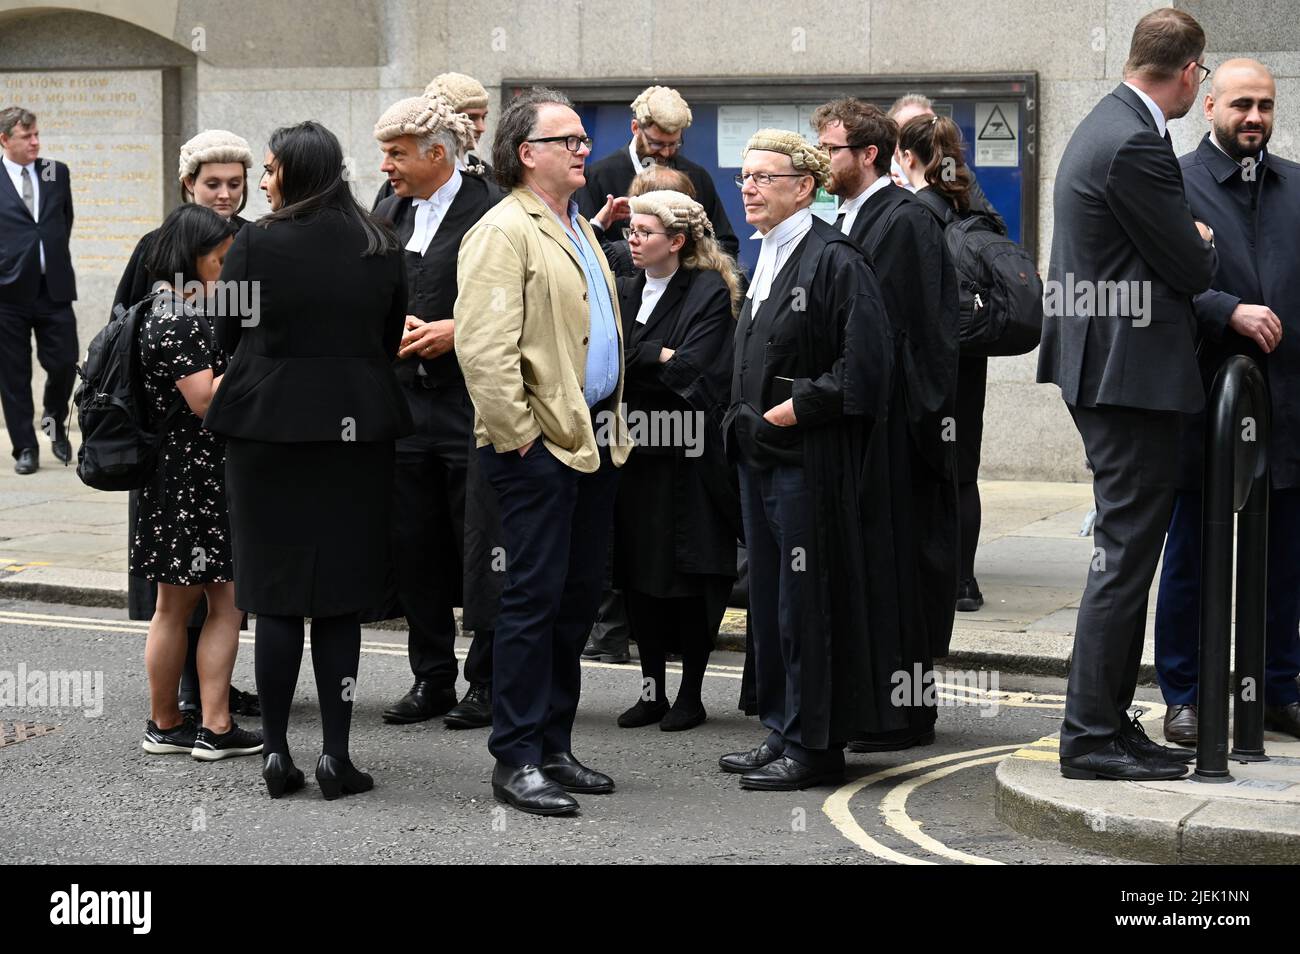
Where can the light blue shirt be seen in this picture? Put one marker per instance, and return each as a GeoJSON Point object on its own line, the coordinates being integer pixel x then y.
{"type": "Point", "coordinates": [603, 355]}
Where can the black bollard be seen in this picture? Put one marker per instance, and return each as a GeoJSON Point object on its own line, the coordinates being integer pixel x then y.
{"type": "Point", "coordinates": [1236, 479]}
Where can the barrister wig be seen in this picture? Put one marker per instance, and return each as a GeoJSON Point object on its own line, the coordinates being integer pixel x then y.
{"type": "Point", "coordinates": [214, 145]}
{"type": "Point", "coordinates": [661, 106]}
{"type": "Point", "coordinates": [463, 92]}
{"type": "Point", "coordinates": [424, 116]}
{"type": "Point", "coordinates": [678, 212]}
{"type": "Point", "coordinates": [805, 156]}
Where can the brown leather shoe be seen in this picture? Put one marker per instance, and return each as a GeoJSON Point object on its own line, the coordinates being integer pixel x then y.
{"type": "Point", "coordinates": [1180, 725]}
{"type": "Point", "coordinates": [1283, 719]}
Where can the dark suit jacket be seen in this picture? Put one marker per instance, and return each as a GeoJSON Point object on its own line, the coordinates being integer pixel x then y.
{"type": "Point", "coordinates": [21, 237]}
{"type": "Point", "coordinates": [1121, 216]}
{"type": "Point", "coordinates": [1255, 231]}
{"type": "Point", "coordinates": [431, 277]}
{"type": "Point", "coordinates": [320, 349]}
{"type": "Point", "coordinates": [613, 175]}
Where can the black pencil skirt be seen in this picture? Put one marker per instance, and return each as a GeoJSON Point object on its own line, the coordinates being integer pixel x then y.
{"type": "Point", "coordinates": [311, 525]}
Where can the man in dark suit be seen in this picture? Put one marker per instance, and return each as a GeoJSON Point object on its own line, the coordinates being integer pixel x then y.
{"type": "Point", "coordinates": [434, 204]}
{"type": "Point", "coordinates": [660, 118]}
{"type": "Point", "coordinates": [904, 242]}
{"type": "Point", "coordinates": [37, 288]}
{"type": "Point", "coordinates": [1119, 339]}
{"type": "Point", "coordinates": [1251, 199]}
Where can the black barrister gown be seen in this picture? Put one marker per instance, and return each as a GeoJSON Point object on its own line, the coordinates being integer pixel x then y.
{"type": "Point", "coordinates": [677, 517]}
{"type": "Point", "coordinates": [863, 616]}
{"type": "Point", "coordinates": [906, 246]}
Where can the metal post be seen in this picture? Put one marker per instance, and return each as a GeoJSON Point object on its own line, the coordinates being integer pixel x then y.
{"type": "Point", "coordinates": [1236, 477]}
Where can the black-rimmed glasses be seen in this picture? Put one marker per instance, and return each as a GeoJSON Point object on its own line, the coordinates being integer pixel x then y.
{"type": "Point", "coordinates": [571, 143]}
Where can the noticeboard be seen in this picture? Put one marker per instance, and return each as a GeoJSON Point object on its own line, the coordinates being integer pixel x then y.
{"type": "Point", "coordinates": [997, 115]}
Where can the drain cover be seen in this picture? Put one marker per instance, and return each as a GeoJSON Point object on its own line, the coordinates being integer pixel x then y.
{"type": "Point", "coordinates": [11, 733]}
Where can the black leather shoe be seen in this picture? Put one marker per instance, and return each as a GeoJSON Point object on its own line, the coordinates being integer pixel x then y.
{"type": "Point", "coordinates": [683, 717]}
{"type": "Point", "coordinates": [472, 712]}
{"type": "Point", "coordinates": [59, 443]}
{"type": "Point", "coordinates": [28, 461]}
{"type": "Point", "coordinates": [572, 776]}
{"type": "Point", "coordinates": [244, 703]}
{"type": "Point", "coordinates": [1117, 762]}
{"type": "Point", "coordinates": [741, 762]}
{"type": "Point", "coordinates": [1283, 718]}
{"type": "Point", "coordinates": [607, 650]}
{"type": "Point", "coordinates": [340, 777]}
{"type": "Point", "coordinates": [1144, 747]}
{"type": "Point", "coordinates": [969, 597]}
{"type": "Point", "coordinates": [642, 713]}
{"type": "Point", "coordinates": [421, 704]}
{"type": "Point", "coordinates": [891, 741]}
{"type": "Point", "coordinates": [280, 774]}
{"type": "Point", "coordinates": [1180, 725]}
{"type": "Point", "coordinates": [787, 775]}
{"type": "Point", "coordinates": [525, 787]}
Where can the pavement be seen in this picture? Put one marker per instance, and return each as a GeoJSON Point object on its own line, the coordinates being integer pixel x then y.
{"type": "Point", "coordinates": [62, 543]}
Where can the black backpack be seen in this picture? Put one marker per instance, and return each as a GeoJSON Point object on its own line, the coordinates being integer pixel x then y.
{"type": "Point", "coordinates": [999, 291]}
{"type": "Point", "coordinates": [119, 451]}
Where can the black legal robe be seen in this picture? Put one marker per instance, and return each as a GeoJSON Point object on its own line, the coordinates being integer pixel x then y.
{"type": "Point", "coordinates": [905, 244]}
{"type": "Point", "coordinates": [864, 619]}
{"type": "Point", "coordinates": [613, 175]}
{"type": "Point", "coordinates": [693, 501]}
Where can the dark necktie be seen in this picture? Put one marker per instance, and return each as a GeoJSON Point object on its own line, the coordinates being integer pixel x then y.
{"type": "Point", "coordinates": [29, 197]}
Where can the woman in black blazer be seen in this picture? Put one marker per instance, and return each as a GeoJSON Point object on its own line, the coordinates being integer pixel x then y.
{"type": "Point", "coordinates": [213, 173]}
{"type": "Point", "coordinates": [310, 409]}
{"type": "Point", "coordinates": [677, 514]}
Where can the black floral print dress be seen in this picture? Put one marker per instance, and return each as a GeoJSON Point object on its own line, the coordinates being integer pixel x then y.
{"type": "Point", "coordinates": [182, 533]}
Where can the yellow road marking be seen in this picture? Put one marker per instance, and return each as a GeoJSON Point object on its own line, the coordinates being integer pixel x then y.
{"type": "Point", "coordinates": [836, 807]}
{"type": "Point", "coordinates": [894, 807]}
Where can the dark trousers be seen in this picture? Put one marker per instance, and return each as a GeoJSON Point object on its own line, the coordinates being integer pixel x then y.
{"type": "Point", "coordinates": [1178, 604]}
{"type": "Point", "coordinates": [478, 661]}
{"type": "Point", "coordinates": [556, 522]}
{"type": "Point", "coordinates": [55, 327]}
{"type": "Point", "coordinates": [774, 507]}
{"type": "Point", "coordinates": [1134, 456]}
{"type": "Point", "coordinates": [429, 527]}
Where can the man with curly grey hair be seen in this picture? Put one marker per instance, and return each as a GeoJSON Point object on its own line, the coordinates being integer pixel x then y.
{"type": "Point", "coordinates": [809, 428]}
{"type": "Point", "coordinates": [434, 204]}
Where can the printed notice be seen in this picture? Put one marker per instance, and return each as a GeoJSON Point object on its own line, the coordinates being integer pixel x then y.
{"type": "Point", "coordinates": [997, 134]}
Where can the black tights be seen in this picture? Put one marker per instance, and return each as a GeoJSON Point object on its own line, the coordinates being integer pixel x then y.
{"type": "Point", "coordinates": [968, 502]}
{"type": "Point", "coordinates": [650, 620]}
{"type": "Point", "coordinates": [335, 656]}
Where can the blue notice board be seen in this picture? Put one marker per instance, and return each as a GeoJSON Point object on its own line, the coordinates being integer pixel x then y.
{"type": "Point", "coordinates": [1002, 140]}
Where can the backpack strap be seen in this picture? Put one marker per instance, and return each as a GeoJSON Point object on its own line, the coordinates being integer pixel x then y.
{"type": "Point", "coordinates": [940, 209]}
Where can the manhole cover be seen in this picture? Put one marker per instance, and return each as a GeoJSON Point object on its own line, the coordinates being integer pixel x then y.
{"type": "Point", "coordinates": [11, 733]}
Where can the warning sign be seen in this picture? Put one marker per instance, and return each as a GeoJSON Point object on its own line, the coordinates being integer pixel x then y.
{"type": "Point", "coordinates": [997, 134]}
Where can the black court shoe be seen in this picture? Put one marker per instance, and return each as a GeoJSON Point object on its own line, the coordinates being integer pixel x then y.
{"type": "Point", "coordinates": [340, 777]}
{"type": "Point", "coordinates": [281, 776]}
{"type": "Point", "coordinates": [969, 597]}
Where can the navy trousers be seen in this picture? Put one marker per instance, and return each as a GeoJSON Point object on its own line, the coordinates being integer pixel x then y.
{"type": "Point", "coordinates": [556, 524]}
{"type": "Point", "coordinates": [1178, 604]}
{"type": "Point", "coordinates": [774, 508]}
{"type": "Point", "coordinates": [55, 328]}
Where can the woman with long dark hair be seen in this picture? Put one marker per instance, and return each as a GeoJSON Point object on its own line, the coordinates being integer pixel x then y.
{"type": "Point", "coordinates": [213, 173]}
{"type": "Point", "coordinates": [181, 540]}
{"type": "Point", "coordinates": [933, 161]}
{"type": "Point", "coordinates": [677, 513]}
{"type": "Point", "coordinates": [311, 408]}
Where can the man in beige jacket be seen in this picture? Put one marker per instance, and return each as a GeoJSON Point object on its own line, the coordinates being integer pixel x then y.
{"type": "Point", "coordinates": [539, 341]}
